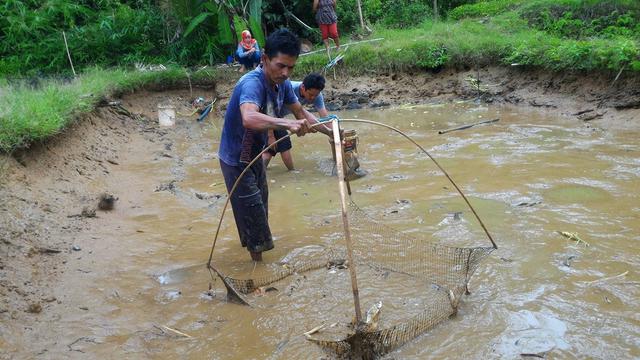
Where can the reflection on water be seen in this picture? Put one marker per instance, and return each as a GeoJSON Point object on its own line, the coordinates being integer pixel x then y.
{"type": "Point", "coordinates": [528, 175]}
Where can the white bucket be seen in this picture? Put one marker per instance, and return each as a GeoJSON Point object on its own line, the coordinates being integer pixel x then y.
{"type": "Point", "coordinates": [166, 115]}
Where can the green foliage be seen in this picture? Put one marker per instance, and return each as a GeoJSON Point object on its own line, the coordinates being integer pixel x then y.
{"type": "Point", "coordinates": [31, 38]}
{"type": "Point", "coordinates": [577, 19]}
{"type": "Point", "coordinates": [389, 13]}
{"type": "Point", "coordinates": [405, 13]}
{"type": "Point", "coordinates": [29, 114]}
{"type": "Point", "coordinates": [482, 9]}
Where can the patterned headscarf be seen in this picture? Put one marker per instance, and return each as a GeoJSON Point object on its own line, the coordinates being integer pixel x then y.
{"type": "Point", "coordinates": [247, 42]}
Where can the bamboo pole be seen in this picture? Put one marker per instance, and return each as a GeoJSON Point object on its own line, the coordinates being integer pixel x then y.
{"type": "Point", "coordinates": [360, 15]}
{"type": "Point", "coordinates": [345, 220]}
{"type": "Point", "coordinates": [343, 45]}
{"type": "Point", "coordinates": [68, 53]}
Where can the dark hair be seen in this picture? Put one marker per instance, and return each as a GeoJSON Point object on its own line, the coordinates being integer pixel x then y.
{"type": "Point", "coordinates": [282, 41]}
{"type": "Point", "coordinates": [314, 81]}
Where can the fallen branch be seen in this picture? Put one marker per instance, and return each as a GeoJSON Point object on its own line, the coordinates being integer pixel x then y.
{"type": "Point", "coordinates": [468, 126]}
{"type": "Point", "coordinates": [617, 76]}
{"type": "Point", "coordinates": [68, 53]}
{"type": "Point", "coordinates": [176, 332]}
{"type": "Point", "coordinates": [573, 236]}
{"type": "Point", "coordinates": [44, 250]}
{"type": "Point", "coordinates": [608, 278]}
{"type": "Point", "coordinates": [314, 330]}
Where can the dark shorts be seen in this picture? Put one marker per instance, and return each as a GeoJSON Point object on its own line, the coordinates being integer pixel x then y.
{"type": "Point", "coordinates": [283, 145]}
{"type": "Point", "coordinates": [249, 203]}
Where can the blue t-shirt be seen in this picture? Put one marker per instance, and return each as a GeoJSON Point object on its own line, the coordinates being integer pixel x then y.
{"type": "Point", "coordinates": [237, 143]}
{"type": "Point", "coordinates": [318, 102]}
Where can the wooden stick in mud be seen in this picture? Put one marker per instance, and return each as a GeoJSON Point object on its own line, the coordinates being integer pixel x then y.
{"type": "Point", "coordinates": [345, 220]}
{"type": "Point", "coordinates": [608, 278]}
{"type": "Point", "coordinates": [68, 53]}
{"type": "Point", "coordinates": [164, 327]}
{"type": "Point", "coordinates": [467, 126]}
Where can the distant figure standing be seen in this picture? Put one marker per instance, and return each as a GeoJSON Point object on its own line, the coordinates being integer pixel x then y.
{"type": "Point", "coordinates": [328, 21]}
{"type": "Point", "coordinates": [248, 52]}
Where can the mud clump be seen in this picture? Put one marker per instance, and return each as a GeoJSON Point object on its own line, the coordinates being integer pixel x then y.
{"type": "Point", "coordinates": [106, 202]}
{"type": "Point", "coordinates": [34, 308]}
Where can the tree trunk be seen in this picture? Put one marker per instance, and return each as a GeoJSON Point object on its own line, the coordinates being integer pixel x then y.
{"type": "Point", "coordinates": [435, 10]}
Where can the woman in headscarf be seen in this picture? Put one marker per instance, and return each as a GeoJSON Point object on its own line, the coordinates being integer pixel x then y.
{"type": "Point", "coordinates": [248, 52]}
{"type": "Point", "coordinates": [327, 20]}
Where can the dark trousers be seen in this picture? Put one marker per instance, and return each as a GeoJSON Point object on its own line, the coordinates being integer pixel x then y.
{"type": "Point", "coordinates": [249, 203]}
{"type": "Point", "coordinates": [250, 61]}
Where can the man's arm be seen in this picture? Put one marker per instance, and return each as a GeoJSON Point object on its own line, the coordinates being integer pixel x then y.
{"type": "Point", "coordinates": [318, 103]}
{"type": "Point", "coordinates": [315, 5]}
{"type": "Point", "coordinates": [301, 113]}
{"type": "Point", "coordinates": [240, 52]}
{"type": "Point", "coordinates": [252, 118]}
{"type": "Point", "coordinates": [323, 112]}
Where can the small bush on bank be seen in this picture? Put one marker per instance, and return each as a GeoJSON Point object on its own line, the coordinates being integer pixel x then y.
{"type": "Point", "coordinates": [579, 19]}
{"type": "Point", "coordinates": [483, 9]}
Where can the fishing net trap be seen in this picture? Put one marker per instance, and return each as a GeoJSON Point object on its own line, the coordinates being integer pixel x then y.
{"type": "Point", "coordinates": [438, 274]}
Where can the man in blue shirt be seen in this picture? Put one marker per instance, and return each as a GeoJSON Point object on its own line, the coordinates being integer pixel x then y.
{"type": "Point", "coordinates": [308, 91]}
{"type": "Point", "coordinates": [257, 105]}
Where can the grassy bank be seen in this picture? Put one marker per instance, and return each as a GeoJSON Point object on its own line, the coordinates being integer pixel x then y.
{"type": "Point", "coordinates": [558, 35]}
{"type": "Point", "coordinates": [29, 114]}
{"type": "Point", "coordinates": [540, 34]}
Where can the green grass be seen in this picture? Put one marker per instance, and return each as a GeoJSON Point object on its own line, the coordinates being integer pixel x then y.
{"type": "Point", "coordinates": [471, 38]}
{"type": "Point", "coordinates": [28, 114]}
{"type": "Point", "coordinates": [558, 35]}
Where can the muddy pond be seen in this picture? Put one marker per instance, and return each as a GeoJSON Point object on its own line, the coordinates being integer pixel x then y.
{"type": "Point", "coordinates": [530, 175]}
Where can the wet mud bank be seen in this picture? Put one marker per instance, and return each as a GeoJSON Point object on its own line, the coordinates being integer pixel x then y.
{"type": "Point", "coordinates": [54, 238]}
{"type": "Point", "coordinates": [602, 98]}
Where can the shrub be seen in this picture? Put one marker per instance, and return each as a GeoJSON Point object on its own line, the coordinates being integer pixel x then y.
{"type": "Point", "coordinates": [482, 9]}
{"type": "Point", "coordinates": [576, 19]}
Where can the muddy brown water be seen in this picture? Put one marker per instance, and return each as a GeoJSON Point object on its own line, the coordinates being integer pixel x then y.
{"type": "Point", "coordinates": [529, 175]}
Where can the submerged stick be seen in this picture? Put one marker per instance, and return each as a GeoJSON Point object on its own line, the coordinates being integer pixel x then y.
{"type": "Point", "coordinates": [314, 330]}
{"type": "Point", "coordinates": [345, 219]}
{"type": "Point", "coordinates": [467, 126]}
{"type": "Point", "coordinates": [607, 278]}
{"type": "Point", "coordinates": [177, 332]}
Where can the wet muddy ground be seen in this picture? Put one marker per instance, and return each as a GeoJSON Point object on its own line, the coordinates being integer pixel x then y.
{"type": "Point", "coordinates": [126, 280]}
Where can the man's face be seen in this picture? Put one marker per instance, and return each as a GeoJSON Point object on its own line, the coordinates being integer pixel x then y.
{"type": "Point", "coordinates": [309, 94]}
{"type": "Point", "coordinates": [278, 68]}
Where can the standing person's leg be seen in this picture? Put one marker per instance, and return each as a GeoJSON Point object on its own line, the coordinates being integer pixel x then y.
{"type": "Point", "coordinates": [266, 157]}
{"type": "Point", "coordinates": [284, 148]}
{"type": "Point", "coordinates": [287, 159]}
{"type": "Point", "coordinates": [324, 30]}
{"type": "Point", "coordinates": [246, 63]}
{"type": "Point", "coordinates": [333, 33]}
{"type": "Point", "coordinates": [249, 207]}
{"type": "Point", "coordinates": [255, 59]}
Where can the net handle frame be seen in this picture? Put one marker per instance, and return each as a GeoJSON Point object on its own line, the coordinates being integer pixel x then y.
{"type": "Point", "coordinates": [322, 122]}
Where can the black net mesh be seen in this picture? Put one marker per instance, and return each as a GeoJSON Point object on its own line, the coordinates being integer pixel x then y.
{"type": "Point", "coordinates": [385, 257]}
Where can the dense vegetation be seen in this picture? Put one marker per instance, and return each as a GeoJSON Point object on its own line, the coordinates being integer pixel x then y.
{"type": "Point", "coordinates": [184, 32]}
{"type": "Point", "coordinates": [553, 34]}
{"type": "Point", "coordinates": [582, 35]}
